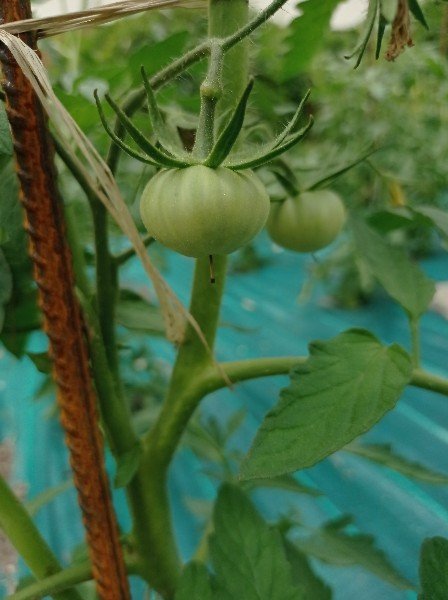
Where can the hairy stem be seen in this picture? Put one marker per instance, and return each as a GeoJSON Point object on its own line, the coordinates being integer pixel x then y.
{"type": "Point", "coordinates": [148, 490]}
{"type": "Point", "coordinates": [211, 91]}
{"type": "Point", "coordinates": [18, 526]}
{"type": "Point", "coordinates": [136, 98]}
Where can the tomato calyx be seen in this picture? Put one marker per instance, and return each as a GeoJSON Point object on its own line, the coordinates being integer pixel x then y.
{"type": "Point", "coordinates": [168, 153]}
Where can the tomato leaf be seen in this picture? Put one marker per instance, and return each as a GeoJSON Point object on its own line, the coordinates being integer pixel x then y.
{"type": "Point", "coordinates": [312, 586]}
{"type": "Point", "coordinates": [5, 280]}
{"type": "Point", "coordinates": [194, 583]}
{"type": "Point", "coordinates": [307, 34]}
{"type": "Point", "coordinates": [136, 313]}
{"type": "Point", "coordinates": [248, 556]}
{"type": "Point", "coordinates": [403, 280]}
{"type": "Point", "coordinates": [5, 133]}
{"type": "Point", "coordinates": [436, 216]}
{"type": "Point", "coordinates": [434, 569]}
{"type": "Point", "coordinates": [332, 545]}
{"type": "Point", "coordinates": [283, 482]}
{"type": "Point", "coordinates": [383, 454]}
{"type": "Point", "coordinates": [42, 361]}
{"type": "Point", "coordinates": [344, 388]}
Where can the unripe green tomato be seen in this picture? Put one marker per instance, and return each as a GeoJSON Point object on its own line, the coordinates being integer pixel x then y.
{"type": "Point", "coordinates": [199, 211]}
{"type": "Point", "coordinates": [308, 222]}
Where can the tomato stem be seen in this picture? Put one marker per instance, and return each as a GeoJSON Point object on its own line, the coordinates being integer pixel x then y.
{"type": "Point", "coordinates": [18, 525]}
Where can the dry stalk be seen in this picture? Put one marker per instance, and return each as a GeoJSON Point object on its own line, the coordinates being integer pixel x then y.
{"type": "Point", "coordinates": [54, 25]}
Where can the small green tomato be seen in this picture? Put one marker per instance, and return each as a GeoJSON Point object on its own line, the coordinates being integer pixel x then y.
{"type": "Point", "coordinates": [199, 211]}
{"type": "Point", "coordinates": [308, 222]}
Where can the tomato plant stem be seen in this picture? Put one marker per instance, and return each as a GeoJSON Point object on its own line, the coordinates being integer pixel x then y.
{"type": "Point", "coordinates": [106, 282]}
{"type": "Point", "coordinates": [114, 410]}
{"type": "Point", "coordinates": [222, 19]}
{"type": "Point", "coordinates": [57, 584]}
{"type": "Point", "coordinates": [18, 526]}
{"type": "Point", "coordinates": [414, 325]}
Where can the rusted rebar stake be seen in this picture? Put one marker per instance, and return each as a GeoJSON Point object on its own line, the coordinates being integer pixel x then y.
{"type": "Point", "coordinates": [53, 272]}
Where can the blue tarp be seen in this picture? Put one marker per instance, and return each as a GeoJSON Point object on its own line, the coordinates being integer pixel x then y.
{"type": "Point", "coordinates": [399, 512]}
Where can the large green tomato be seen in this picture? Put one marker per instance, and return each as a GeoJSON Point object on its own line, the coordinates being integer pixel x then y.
{"type": "Point", "coordinates": [308, 222]}
{"type": "Point", "coordinates": [199, 211]}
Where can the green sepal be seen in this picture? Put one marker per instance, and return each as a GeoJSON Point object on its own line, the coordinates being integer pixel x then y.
{"type": "Point", "coordinates": [155, 153]}
{"type": "Point", "coordinates": [331, 176]}
{"type": "Point", "coordinates": [380, 35]}
{"type": "Point", "coordinates": [229, 134]}
{"type": "Point", "coordinates": [268, 148]}
{"type": "Point", "coordinates": [163, 135]}
{"type": "Point", "coordinates": [265, 157]}
{"type": "Point", "coordinates": [286, 177]}
{"type": "Point", "coordinates": [114, 137]}
{"type": "Point", "coordinates": [293, 122]}
{"type": "Point", "coordinates": [416, 10]}
{"type": "Point", "coordinates": [372, 13]}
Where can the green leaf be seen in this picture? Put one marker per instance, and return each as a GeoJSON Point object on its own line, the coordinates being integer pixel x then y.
{"type": "Point", "coordinates": [344, 388]}
{"type": "Point", "coordinates": [436, 216]}
{"type": "Point", "coordinates": [5, 133]}
{"type": "Point", "coordinates": [194, 583]}
{"type": "Point", "coordinates": [5, 280]}
{"type": "Point", "coordinates": [247, 554]}
{"type": "Point", "coordinates": [134, 312]}
{"type": "Point", "coordinates": [307, 34]}
{"type": "Point", "coordinates": [389, 220]}
{"type": "Point", "coordinates": [127, 465]}
{"type": "Point", "coordinates": [42, 361]}
{"type": "Point", "coordinates": [312, 586]}
{"type": "Point", "coordinates": [283, 482]}
{"type": "Point", "coordinates": [332, 545]}
{"type": "Point", "coordinates": [383, 454]}
{"type": "Point", "coordinates": [402, 279]}
{"type": "Point", "coordinates": [434, 569]}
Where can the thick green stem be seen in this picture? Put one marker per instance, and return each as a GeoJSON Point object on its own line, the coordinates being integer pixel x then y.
{"type": "Point", "coordinates": [427, 381]}
{"type": "Point", "coordinates": [211, 92]}
{"type": "Point", "coordinates": [244, 370]}
{"type": "Point", "coordinates": [227, 17]}
{"type": "Point", "coordinates": [148, 490]}
{"type": "Point", "coordinates": [136, 98]}
{"type": "Point", "coordinates": [114, 409]}
{"type": "Point", "coordinates": [19, 528]}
